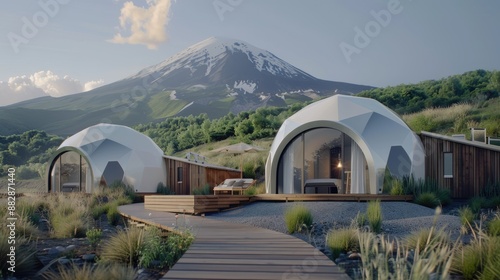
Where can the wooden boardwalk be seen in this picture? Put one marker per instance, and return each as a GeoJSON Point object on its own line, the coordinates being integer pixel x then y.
{"type": "Point", "coordinates": [224, 250]}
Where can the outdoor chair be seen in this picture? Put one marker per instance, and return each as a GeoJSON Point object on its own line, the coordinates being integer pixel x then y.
{"type": "Point", "coordinates": [233, 186]}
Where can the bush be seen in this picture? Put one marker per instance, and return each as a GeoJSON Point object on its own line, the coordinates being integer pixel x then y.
{"type": "Point", "coordinates": [125, 246]}
{"type": "Point", "coordinates": [122, 189]}
{"type": "Point", "coordinates": [385, 259]}
{"type": "Point", "coordinates": [397, 187]}
{"type": "Point", "coordinates": [360, 220]}
{"type": "Point", "coordinates": [425, 238]}
{"type": "Point", "coordinates": [113, 215]}
{"type": "Point", "coordinates": [155, 249]}
{"type": "Point", "coordinates": [466, 215]}
{"type": "Point", "coordinates": [494, 226]}
{"type": "Point", "coordinates": [98, 210]}
{"type": "Point", "coordinates": [427, 199]}
{"type": "Point", "coordinates": [162, 189]}
{"type": "Point", "coordinates": [374, 216]}
{"type": "Point", "coordinates": [467, 261]}
{"type": "Point", "coordinates": [87, 271]}
{"type": "Point", "coordinates": [476, 203]}
{"type": "Point", "coordinates": [297, 217]}
{"type": "Point", "coordinates": [444, 196]}
{"type": "Point", "coordinates": [94, 237]}
{"type": "Point", "coordinates": [342, 241]}
{"type": "Point", "coordinates": [177, 245]}
{"type": "Point", "coordinates": [205, 190]}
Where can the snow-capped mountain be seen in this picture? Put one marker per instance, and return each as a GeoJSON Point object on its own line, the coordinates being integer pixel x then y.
{"type": "Point", "coordinates": [215, 76]}
{"type": "Point", "coordinates": [239, 67]}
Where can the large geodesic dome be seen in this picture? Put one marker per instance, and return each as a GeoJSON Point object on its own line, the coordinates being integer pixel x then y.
{"type": "Point", "coordinates": [342, 144]}
{"type": "Point", "coordinates": [104, 154]}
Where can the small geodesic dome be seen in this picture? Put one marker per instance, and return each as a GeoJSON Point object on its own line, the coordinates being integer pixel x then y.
{"type": "Point", "coordinates": [104, 154]}
{"type": "Point", "coordinates": [342, 144]}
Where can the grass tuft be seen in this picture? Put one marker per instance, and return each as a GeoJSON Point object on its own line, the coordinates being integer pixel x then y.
{"type": "Point", "coordinates": [427, 199]}
{"type": "Point", "coordinates": [466, 215]}
{"type": "Point", "coordinates": [342, 241]}
{"type": "Point", "coordinates": [124, 246]}
{"type": "Point", "coordinates": [297, 218]}
{"type": "Point", "coordinates": [87, 271]}
{"type": "Point", "coordinates": [374, 216]}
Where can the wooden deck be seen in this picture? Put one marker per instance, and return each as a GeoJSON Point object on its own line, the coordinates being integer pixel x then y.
{"type": "Point", "coordinates": [198, 204]}
{"type": "Point", "coordinates": [193, 204]}
{"type": "Point", "coordinates": [331, 197]}
{"type": "Point", "coordinates": [224, 250]}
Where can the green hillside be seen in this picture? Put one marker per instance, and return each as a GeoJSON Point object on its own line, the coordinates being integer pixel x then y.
{"type": "Point", "coordinates": [476, 103]}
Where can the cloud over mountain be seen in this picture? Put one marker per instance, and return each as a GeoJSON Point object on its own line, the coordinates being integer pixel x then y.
{"type": "Point", "coordinates": [42, 83]}
{"type": "Point", "coordinates": [145, 25]}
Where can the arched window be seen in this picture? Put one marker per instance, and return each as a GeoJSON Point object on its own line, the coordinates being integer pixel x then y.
{"type": "Point", "coordinates": [322, 160]}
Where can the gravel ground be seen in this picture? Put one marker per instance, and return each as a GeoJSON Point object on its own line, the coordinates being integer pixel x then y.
{"type": "Point", "coordinates": [399, 218]}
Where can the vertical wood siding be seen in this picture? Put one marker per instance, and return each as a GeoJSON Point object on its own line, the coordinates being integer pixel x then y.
{"type": "Point", "coordinates": [194, 176]}
{"type": "Point", "coordinates": [474, 168]}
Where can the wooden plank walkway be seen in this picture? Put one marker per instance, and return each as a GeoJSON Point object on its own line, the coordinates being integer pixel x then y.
{"type": "Point", "coordinates": [224, 250]}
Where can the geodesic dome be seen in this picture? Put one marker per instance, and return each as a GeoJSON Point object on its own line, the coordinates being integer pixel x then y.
{"type": "Point", "coordinates": [104, 154]}
{"type": "Point", "coordinates": [366, 130]}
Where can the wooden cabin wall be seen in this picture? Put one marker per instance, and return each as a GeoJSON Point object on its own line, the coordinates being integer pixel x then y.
{"type": "Point", "coordinates": [474, 168]}
{"type": "Point", "coordinates": [194, 176]}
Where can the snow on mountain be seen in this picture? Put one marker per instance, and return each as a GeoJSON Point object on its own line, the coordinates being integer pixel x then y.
{"type": "Point", "coordinates": [211, 51]}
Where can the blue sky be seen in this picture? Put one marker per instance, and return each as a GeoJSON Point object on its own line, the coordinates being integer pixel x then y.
{"type": "Point", "coordinates": [59, 47]}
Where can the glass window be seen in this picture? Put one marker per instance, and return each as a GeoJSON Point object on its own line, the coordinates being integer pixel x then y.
{"type": "Point", "coordinates": [448, 165]}
{"type": "Point", "coordinates": [320, 157]}
{"type": "Point", "coordinates": [179, 174]}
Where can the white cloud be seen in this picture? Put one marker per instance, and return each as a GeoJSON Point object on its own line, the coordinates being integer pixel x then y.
{"type": "Point", "coordinates": [42, 83]}
{"type": "Point", "coordinates": [146, 25]}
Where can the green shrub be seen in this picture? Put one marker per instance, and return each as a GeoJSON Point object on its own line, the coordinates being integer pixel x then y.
{"type": "Point", "coordinates": [113, 215]}
{"type": "Point", "coordinates": [385, 259]}
{"type": "Point", "coordinates": [444, 196]}
{"type": "Point", "coordinates": [125, 246]}
{"type": "Point", "coordinates": [494, 226]}
{"type": "Point", "coordinates": [468, 259]}
{"type": "Point", "coordinates": [397, 187]}
{"type": "Point", "coordinates": [162, 189]}
{"type": "Point", "coordinates": [360, 220]}
{"type": "Point", "coordinates": [73, 225]}
{"type": "Point", "coordinates": [476, 203]}
{"type": "Point", "coordinates": [491, 269]}
{"type": "Point", "coordinates": [466, 215]}
{"type": "Point", "coordinates": [427, 199]}
{"type": "Point", "coordinates": [154, 249]}
{"type": "Point", "coordinates": [177, 245]}
{"type": "Point", "coordinates": [426, 238]}
{"type": "Point", "coordinates": [88, 271]}
{"type": "Point", "coordinates": [205, 190]}
{"type": "Point", "coordinates": [342, 241]}
{"type": "Point", "coordinates": [94, 237]}
{"type": "Point", "coordinates": [297, 217]}
{"type": "Point", "coordinates": [98, 210]}
{"type": "Point", "coordinates": [121, 188]}
{"type": "Point", "coordinates": [493, 202]}
{"type": "Point", "coordinates": [374, 216]}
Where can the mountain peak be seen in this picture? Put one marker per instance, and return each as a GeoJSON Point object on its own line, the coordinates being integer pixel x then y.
{"type": "Point", "coordinates": [211, 51]}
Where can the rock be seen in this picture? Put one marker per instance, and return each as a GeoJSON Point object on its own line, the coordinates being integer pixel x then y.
{"type": "Point", "coordinates": [60, 249]}
{"type": "Point", "coordinates": [70, 248]}
{"type": "Point", "coordinates": [63, 261]}
{"type": "Point", "coordinates": [53, 251]}
{"type": "Point", "coordinates": [88, 257]}
{"type": "Point", "coordinates": [354, 256]}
